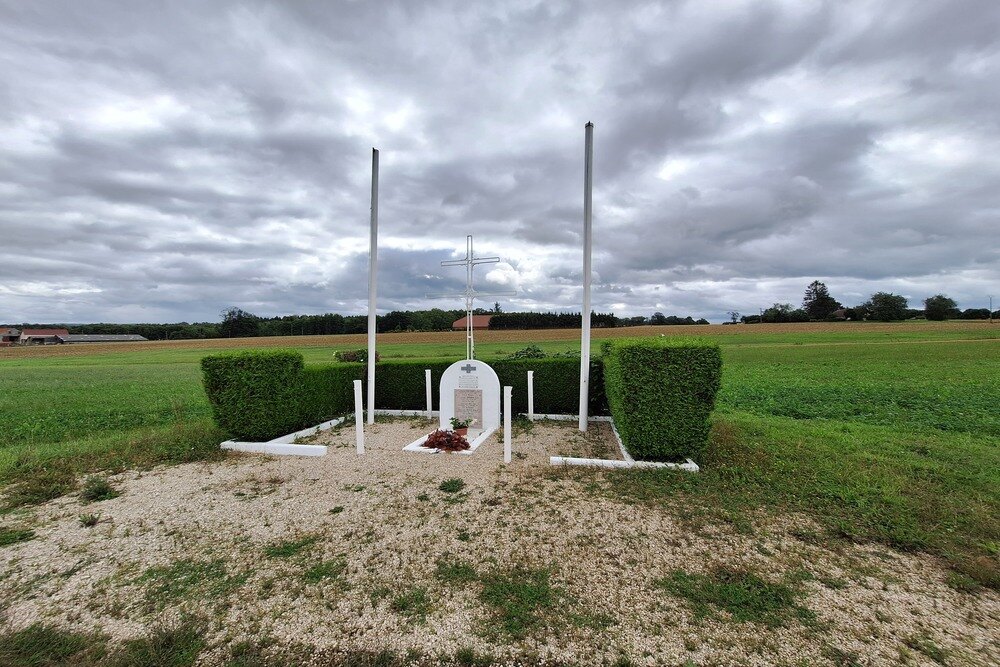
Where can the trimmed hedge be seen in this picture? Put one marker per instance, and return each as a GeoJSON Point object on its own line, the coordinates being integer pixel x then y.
{"type": "Point", "coordinates": [240, 389]}
{"type": "Point", "coordinates": [661, 392]}
{"type": "Point", "coordinates": [255, 394]}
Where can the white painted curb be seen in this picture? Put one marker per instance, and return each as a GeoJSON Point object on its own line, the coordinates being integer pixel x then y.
{"type": "Point", "coordinates": [689, 466]}
{"type": "Point", "coordinates": [418, 444]}
{"type": "Point", "coordinates": [275, 448]}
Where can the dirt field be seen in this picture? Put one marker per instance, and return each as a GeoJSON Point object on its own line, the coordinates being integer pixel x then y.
{"type": "Point", "coordinates": [325, 556]}
{"type": "Point", "coordinates": [734, 333]}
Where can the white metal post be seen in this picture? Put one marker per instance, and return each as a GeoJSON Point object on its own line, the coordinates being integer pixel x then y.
{"type": "Point", "coordinates": [531, 395]}
{"type": "Point", "coordinates": [430, 394]}
{"type": "Point", "coordinates": [372, 273]}
{"type": "Point", "coordinates": [588, 180]}
{"type": "Point", "coordinates": [359, 419]}
{"type": "Point", "coordinates": [507, 391]}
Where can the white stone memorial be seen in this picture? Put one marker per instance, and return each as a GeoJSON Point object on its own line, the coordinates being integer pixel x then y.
{"type": "Point", "coordinates": [470, 389]}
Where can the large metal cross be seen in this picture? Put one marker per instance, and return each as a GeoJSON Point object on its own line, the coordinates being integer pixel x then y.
{"type": "Point", "coordinates": [470, 294]}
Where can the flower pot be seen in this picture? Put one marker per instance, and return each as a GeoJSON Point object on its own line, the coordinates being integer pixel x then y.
{"type": "Point", "coordinates": [462, 431]}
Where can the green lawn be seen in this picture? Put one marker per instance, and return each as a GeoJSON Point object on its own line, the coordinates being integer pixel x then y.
{"type": "Point", "coordinates": [886, 435]}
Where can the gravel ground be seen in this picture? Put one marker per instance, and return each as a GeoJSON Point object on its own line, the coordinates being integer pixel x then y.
{"type": "Point", "coordinates": [385, 524]}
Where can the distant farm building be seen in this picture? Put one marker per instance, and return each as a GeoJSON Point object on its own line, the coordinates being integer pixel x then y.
{"type": "Point", "coordinates": [9, 336]}
{"type": "Point", "coordinates": [41, 336]}
{"type": "Point", "coordinates": [479, 323]}
{"type": "Point", "coordinates": [101, 338]}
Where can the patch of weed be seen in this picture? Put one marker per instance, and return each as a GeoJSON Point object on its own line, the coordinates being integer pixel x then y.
{"type": "Point", "coordinates": [464, 536]}
{"type": "Point", "coordinates": [290, 548]}
{"type": "Point", "coordinates": [337, 510]}
{"type": "Point", "coordinates": [15, 535]}
{"type": "Point", "coordinates": [962, 583]}
{"type": "Point", "coordinates": [187, 579]}
{"type": "Point", "coordinates": [745, 596]}
{"type": "Point", "coordinates": [166, 647]}
{"type": "Point", "coordinates": [39, 485]}
{"type": "Point", "coordinates": [519, 599]}
{"type": "Point", "coordinates": [467, 657]}
{"type": "Point", "coordinates": [89, 520]}
{"type": "Point", "coordinates": [96, 489]}
{"type": "Point", "coordinates": [45, 646]}
{"type": "Point", "coordinates": [926, 646]}
{"type": "Point", "coordinates": [415, 604]}
{"type": "Point", "coordinates": [329, 569]}
{"type": "Point", "coordinates": [453, 485]}
{"type": "Point", "coordinates": [455, 572]}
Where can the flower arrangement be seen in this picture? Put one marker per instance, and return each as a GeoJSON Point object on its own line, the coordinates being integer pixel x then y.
{"type": "Point", "coordinates": [446, 441]}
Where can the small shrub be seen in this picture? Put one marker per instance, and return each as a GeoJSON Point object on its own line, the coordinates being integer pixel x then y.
{"type": "Point", "coordinates": [446, 441]}
{"type": "Point", "coordinates": [337, 510]}
{"type": "Point", "coordinates": [530, 352]}
{"type": "Point", "coordinates": [89, 520]}
{"type": "Point", "coordinates": [96, 489]}
{"type": "Point", "coordinates": [453, 485]}
{"type": "Point", "coordinates": [14, 535]}
{"type": "Point", "coordinates": [360, 356]}
{"type": "Point", "coordinates": [661, 392]}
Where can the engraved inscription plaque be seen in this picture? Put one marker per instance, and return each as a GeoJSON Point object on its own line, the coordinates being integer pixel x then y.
{"type": "Point", "coordinates": [469, 405]}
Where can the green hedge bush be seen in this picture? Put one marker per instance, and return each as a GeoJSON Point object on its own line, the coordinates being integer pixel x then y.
{"type": "Point", "coordinates": [255, 394]}
{"type": "Point", "coordinates": [240, 388]}
{"type": "Point", "coordinates": [661, 392]}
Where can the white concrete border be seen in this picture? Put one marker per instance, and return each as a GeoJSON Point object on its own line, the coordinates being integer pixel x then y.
{"type": "Point", "coordinates": [275, 448]}
{"type": "Point", "coordinates": [418, 444]}
{"type": "Point", "coordinates": [627, 462]}
{"type": "Point", "coordinates": [285, 444]}
{"type": "Point", "coordinates": [689, 466]}
{"type": "Point", "coordinates": [404, 413]}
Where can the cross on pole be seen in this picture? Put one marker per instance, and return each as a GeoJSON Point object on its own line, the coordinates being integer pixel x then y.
{"type": "Point", "coordinates": [470, 293]}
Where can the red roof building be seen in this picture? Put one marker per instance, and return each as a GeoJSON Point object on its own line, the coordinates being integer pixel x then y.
{"type": "Point", "coordinates": [479, 323]}
{"type": "Point", "coordinates": [41, 336]}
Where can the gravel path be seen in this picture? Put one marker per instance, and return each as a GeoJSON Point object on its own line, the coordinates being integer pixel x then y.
{"type": "Point", "coordinates": [381, 526]}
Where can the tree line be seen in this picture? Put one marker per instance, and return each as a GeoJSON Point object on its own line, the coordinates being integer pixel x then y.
{"type": "Point", "coordinates": [819, 305]}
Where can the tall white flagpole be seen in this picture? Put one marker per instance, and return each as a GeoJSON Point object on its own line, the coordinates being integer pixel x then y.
{"type": "Point", "coordinates": [588, 181]}
{"type": "Point", "coordinates": [372, 273]}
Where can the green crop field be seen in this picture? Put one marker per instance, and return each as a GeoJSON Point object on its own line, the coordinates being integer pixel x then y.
{"type": "Point", "coordinates": [885, 432]}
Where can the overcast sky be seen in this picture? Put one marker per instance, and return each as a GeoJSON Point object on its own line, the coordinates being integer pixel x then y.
{"type": "Point", "coordinates": [162, 161]}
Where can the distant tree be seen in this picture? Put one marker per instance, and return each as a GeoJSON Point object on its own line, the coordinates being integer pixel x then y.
{"type": "Point", "coordinates": [734, 316]}
{"type": "Point", "coordinates": [817, 301]}
{"type": "Point", "coordinates": [939, 307]}
{"type": "Point", "coordinates": [885, 307]}
{"type": "Point", "coordinates": [783, 312]}
{"type": "Point", "coordinates": [496, 308]}
{"type": "Point", "coordinates": [750, 319]}
{"type": "Point", "coordinates": [975, 314]}
{"type": "Point", "coordinates": [777, 313]}
{"type": "Point", "coordinates": [658, 318]}
{"type": "Point", "coordinates": [238, 323]}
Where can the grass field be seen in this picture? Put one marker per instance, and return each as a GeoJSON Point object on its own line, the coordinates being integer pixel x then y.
{"type": "Point", "coordinates": [887, 432]}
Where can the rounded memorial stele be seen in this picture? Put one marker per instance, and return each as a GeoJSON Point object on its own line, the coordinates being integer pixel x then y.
{"type": "Point", "coordinates": [470, 390]}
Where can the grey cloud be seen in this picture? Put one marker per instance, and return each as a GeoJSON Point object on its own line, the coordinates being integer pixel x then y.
{"type": "Point", "coordinates": [168, 160]}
